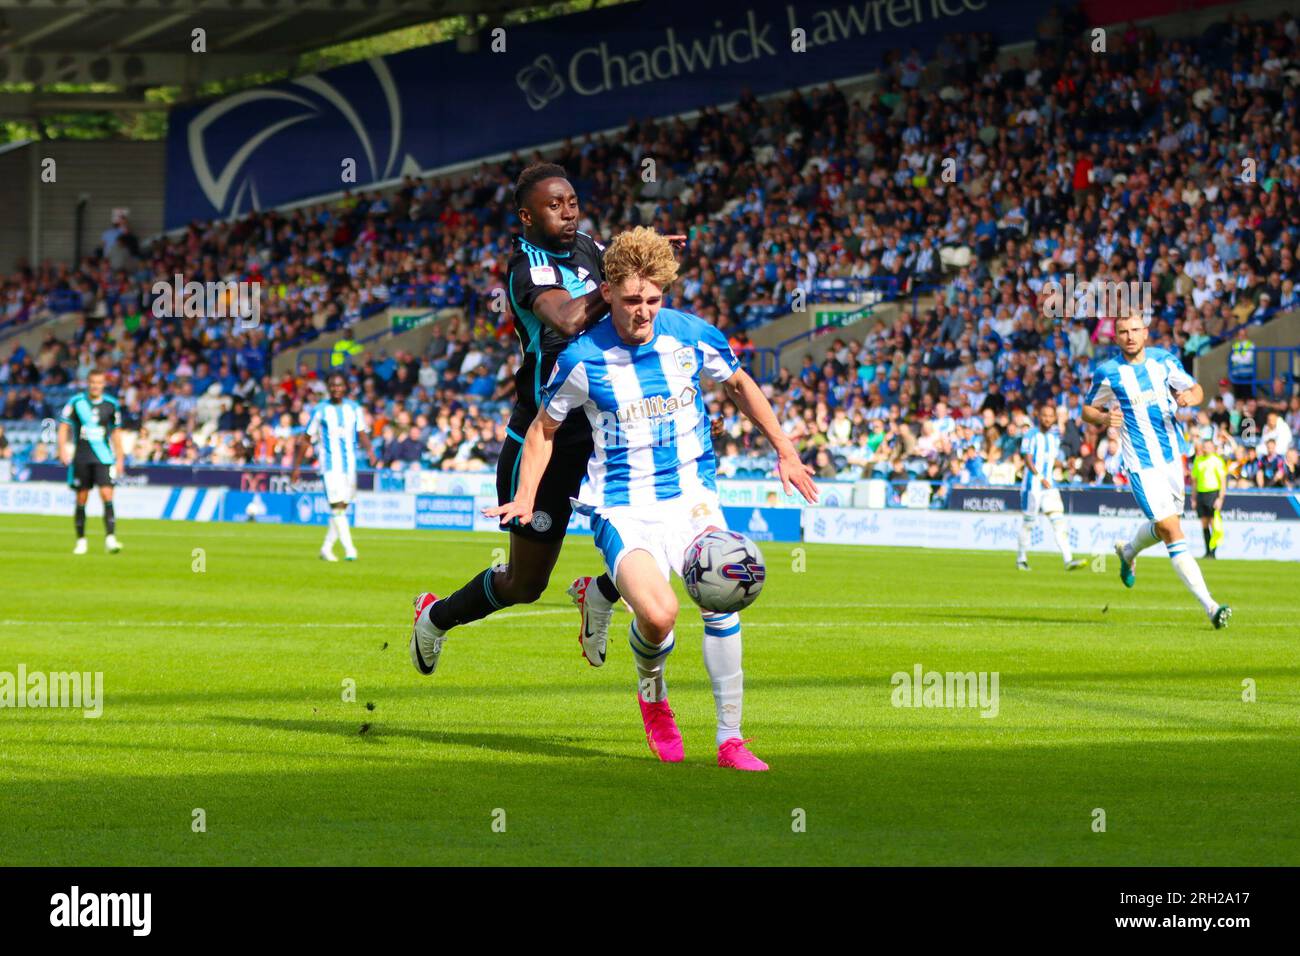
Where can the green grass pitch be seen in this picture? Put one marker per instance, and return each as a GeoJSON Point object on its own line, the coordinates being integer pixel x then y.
{"type": "Point", "coordinates": [223, 691]}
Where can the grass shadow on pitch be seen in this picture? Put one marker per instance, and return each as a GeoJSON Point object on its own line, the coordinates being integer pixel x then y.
{"type": "Point", "coordinates": [959, 805]}
{"type": "Point", "coordinates": [513, 743]}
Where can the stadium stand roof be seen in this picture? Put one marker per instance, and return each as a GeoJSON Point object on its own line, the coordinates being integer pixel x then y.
{"type": "Point", "coordinates": [142, 43]}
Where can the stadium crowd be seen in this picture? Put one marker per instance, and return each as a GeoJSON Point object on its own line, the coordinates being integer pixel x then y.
{"type": "Point", "coordinates": [971, 183]}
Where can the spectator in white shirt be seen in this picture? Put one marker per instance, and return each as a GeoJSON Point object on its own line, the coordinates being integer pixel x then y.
{"type": "Point", "coordinates": [1277, 430]}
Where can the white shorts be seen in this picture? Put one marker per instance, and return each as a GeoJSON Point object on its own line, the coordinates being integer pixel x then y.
{"type": "Point", "coordinates": [340, 487]}
{"type": "Point", "coordinates": [1036, 500]}
{"type": "Point", "coordinates": [1159, 491]}
{"type": "Point", "coordinates": [665, 530]}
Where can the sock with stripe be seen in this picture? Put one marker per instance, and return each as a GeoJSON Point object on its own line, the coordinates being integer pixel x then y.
{"type": "Point", "coordinates": [475, 600]}
{"type": "Point", "coordinates": [79, 519]}
{"type": "Point", "coordinates": [1062, 532]}
{"type": "Point", "coordinates": [722, 661]}
{"type": "Point", "coordinates": [650, 660]}
{"type": "Point", "coordinates": [1190, 574]}
{"type": "Point", "coordinates": [1143, 539]}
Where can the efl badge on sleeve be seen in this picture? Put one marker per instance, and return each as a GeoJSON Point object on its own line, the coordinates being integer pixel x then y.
{"type": "Point", "coordinates": [544, 275]}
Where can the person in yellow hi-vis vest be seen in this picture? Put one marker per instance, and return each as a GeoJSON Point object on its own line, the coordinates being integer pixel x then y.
{"type": "Point", "coordinates": [1210, 474]}
{"type": "Point", "coordinates": [343, 350]}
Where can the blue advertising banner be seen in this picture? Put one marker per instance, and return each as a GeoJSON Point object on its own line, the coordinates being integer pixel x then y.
{"type": "Point", "coordinates": [433, 107]}
{"type": "Point", "coordinates": [444, 512]}
{"type": "Point", "coordinates": [251, 478]}
{"type": "Point", "coordinates": [273, 508]}
{"type": "Point", "coordinates": [765, 524]}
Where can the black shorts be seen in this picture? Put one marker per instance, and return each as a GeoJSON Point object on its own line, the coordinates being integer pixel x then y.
{"type": "Point", "coordinates": [1205, 505]}
{"type": "Point", "coordinates": [560, 482]}
{"type": "Point", "coordinates": [87, 474]}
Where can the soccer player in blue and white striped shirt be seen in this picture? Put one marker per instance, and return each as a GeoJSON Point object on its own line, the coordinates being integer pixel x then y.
{"type": "Point", "coordinates": [650, 485]}
{"type": "Point", "coordinates": [1139, 394]}
{"type": "Point", "coordinates": [1041, 448]}
{"type": "Point", "coordinates": [336, 427]}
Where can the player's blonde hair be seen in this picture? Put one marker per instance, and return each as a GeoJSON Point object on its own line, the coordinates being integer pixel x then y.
{"type": "Point", "coordinates": [643, 253]}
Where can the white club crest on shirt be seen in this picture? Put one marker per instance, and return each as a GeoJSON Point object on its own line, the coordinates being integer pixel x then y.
{"type": "Point", "coordinates": [544, 275]}
{"type": "Point", "coordinates": [685, 359]}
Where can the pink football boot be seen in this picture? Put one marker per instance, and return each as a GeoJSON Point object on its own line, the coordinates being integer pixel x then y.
{"type": "Point", "coordinates": [734, 754]}
{"type": "Point", "coordinates": [661, 730]}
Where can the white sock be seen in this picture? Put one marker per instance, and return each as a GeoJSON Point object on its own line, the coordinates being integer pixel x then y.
{"type": "Point", "coordinates": [650, 660]}
{"type": "Point", "coordinates": [1190, 572]}
{"type": "Point", "coordinates": [331, 535]}
{"type": "Point", "coordinates": [1062, 531]}
{"type": "Point", "coordinates": [340, 522]}
{"type": "Point", "coordinates": [1143, 539]}
{"type": "Point", "coordinates": [722, 661]}
{"type": "Point", "coordinates": [1023, 542]}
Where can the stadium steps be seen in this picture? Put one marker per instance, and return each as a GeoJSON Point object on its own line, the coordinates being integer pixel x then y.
{"type": "Point", "coordinates": [772, 334]}
{"type": "Point", "coordinates": [373, 332]}
{"type": "Point", "coordinates": [1281, 331]}
{"type": "Point", "coordinates": [62, 326]}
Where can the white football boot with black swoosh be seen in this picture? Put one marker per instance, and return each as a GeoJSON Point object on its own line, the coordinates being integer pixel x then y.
{"type": "Point", "coordinates": [593, 632]}
{"type": "Point", "coordinates": [426, 640]}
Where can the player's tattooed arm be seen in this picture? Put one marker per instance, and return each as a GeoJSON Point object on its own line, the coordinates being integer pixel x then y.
{"type": "Point", "coordinates": [539, 442]}
{"type": "Point", "coordinates": [567, 315]}
{"type": "Point", "coordinates": [753, 404]}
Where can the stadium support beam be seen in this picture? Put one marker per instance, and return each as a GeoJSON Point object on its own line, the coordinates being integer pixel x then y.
{"type": "Point", "coordinates": [441, 7]}
{"type": "Point", "coordinates": [256, 27]}
{"type": "Point", "coordinates": [133, 69]}
{"type": "Point", "coordinates": [50, 28]}
{"type": "Point", "coordinates": [126, 42]}
{"type": "Point", "coordinates": [24, 106]}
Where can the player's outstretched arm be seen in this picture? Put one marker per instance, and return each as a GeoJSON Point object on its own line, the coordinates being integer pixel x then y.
{"type": "Point", "coordinates": [539, 442]}
{"type": "Point", "coordinates": [751, 401]}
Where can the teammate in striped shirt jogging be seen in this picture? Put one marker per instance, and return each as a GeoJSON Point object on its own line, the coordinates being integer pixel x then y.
{"type": "Point", "coordinates": [1140, 394]}
{"type": "Point", "coordinates": [336, 428]}
{"type": "Point", "coordinates": [1038, 495]}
